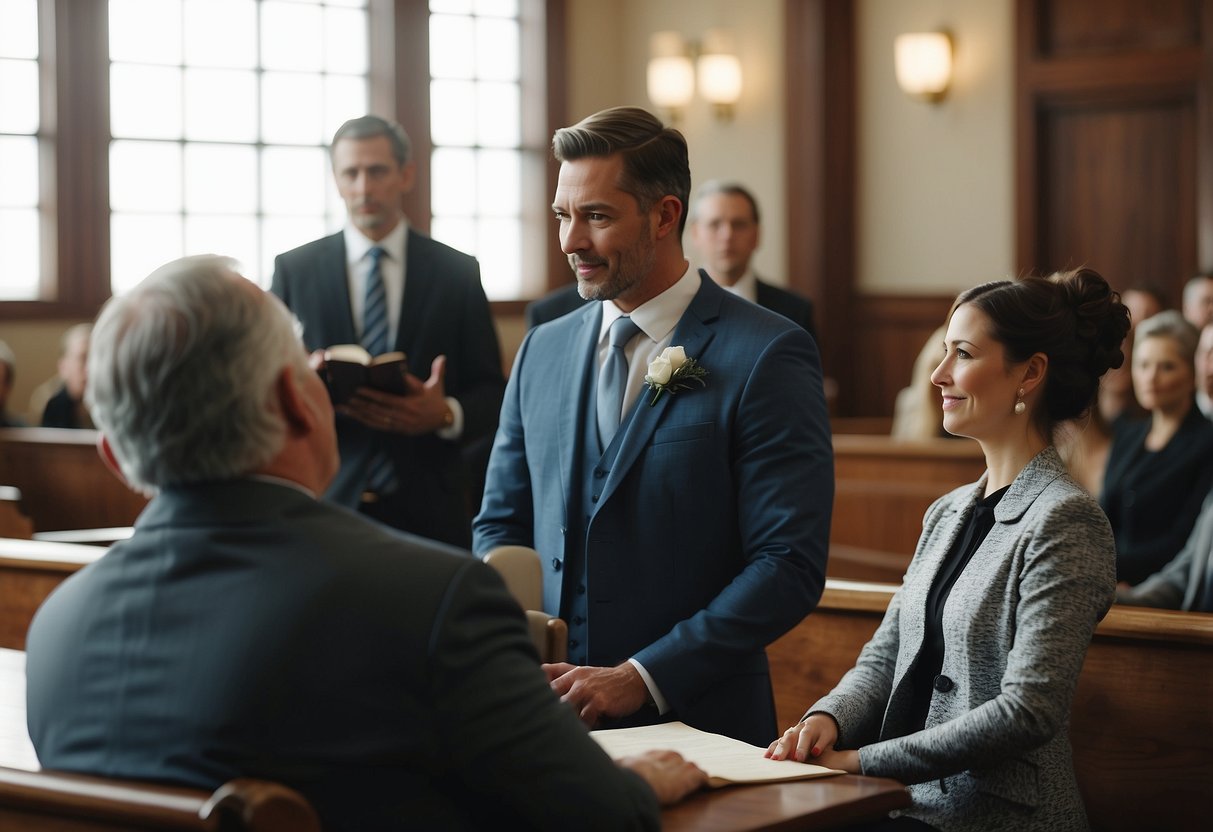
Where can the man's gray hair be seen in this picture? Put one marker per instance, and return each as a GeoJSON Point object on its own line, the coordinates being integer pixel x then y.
{"type": "Point", "coordinates": [182, 374]}
{"type": "Point", "coordinates": [369, 127]}
{"type": "Point", "coordinates": [720, 186]}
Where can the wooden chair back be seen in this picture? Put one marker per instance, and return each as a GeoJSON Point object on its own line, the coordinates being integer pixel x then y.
{"type": "Point", "coordinates": [48, 801]}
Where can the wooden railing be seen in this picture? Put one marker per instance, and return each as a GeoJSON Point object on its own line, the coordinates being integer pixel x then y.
{"type": "Point", "coordinates": [1142, 719]}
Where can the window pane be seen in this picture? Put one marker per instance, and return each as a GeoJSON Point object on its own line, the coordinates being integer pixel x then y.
{"type": "Point", "coordinates": [345, 41]}
{"type": "Point", "coordinates": [19, 247]}
{"type": "Point", "coordinates": [497, 49]}
{"type": "Point", "coordinates": [292, 180]}
{"type": "Point", "coordinates": [140, 244]}
{"type": "Point", "coordinates": [498, 115]}
{"type": "Point", "coordinates": [453, 182]}
{"type": "Point", "coordinates": [282, 117]}
{"type": "Point", "coordinates": [18, 96]}
{"type": "Point", "coordinates": [497, 8]}
{"type": "Point", "coordinates": [279, 234]}
{"type": "Point", "coordinates": [220, 105]}
{"type": "Point", "coordinates": [221, 33]}
{"type": "Point", "coordinates": [345, 97]}
{"type": "Point", "coordinates": [145, 31]}
{"type": "Point", "coordinates": [499, 186]}
{"type": "Point", "coordinates": [499, 249]}
{"type": "Point", "coordinates": [451, 6]}
{"type": "Point", "coordinates": [453, 112]}
{"type": "Point", "coordinates": [457, 232]}
{"type": "Point", "coordinates": [18, 172]}
{"type": "Point", "coordinates": [292, 36]}
{"type": "Point", "coordinates": [145, 102]}
{"type": "Point", "coordinates": [234, 237]}
{"type": "Point", "coordinates": [452, 41]}
{"type": "Point", "coordinates": [220, 179]}
{"type": "Point", "coordinates": [19, 34]}
{"type": "Point", "coordinates": [145, 176]}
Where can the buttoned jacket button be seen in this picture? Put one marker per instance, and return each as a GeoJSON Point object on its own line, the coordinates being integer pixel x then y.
{"type": "Point", "coordinates": [943, 684]}
{"type": "Point", "coordinates": [556, 564]}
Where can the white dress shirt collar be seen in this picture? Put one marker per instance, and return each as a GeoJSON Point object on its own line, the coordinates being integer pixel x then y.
{"type": "Point", "coordinates": [657, 316]}
{"type": "Point", "coordinates": [391, 269]}
{"type": "Point", "coordinates": [746, 286]}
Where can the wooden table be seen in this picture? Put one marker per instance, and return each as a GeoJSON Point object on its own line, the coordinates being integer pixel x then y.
{"type": "Point", "coordinates": [822, 803]}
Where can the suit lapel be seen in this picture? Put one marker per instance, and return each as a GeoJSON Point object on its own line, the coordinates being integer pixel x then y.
{"type": "Point", "coordinates": [576, 377]}
{"type": "Point", "coordinates": [694, 332]}
{"type": "Point", "coordinates": [331, 276]}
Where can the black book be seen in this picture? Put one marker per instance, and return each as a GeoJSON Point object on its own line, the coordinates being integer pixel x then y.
{"type": "Point", "coordinates": [349, 366]}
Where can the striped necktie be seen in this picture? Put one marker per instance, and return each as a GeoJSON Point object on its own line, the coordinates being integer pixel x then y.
{"type": "Point", "coordinates": [374, 316]}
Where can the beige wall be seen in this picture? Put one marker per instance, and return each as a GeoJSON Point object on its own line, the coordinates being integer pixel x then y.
{"type": "Point", "coordinates": [936, 196]}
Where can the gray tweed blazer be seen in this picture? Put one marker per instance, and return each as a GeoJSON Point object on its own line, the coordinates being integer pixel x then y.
{"type": "Point", "coordinates": [995, 752]}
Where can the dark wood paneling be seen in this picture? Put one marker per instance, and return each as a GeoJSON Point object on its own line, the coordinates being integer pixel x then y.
{"type": "Point", "coordinates": [887, 335]}
{"type": "Point", "coordinates": [1076, 27]}
{"type": "Point", "coordinates": [1114, 138]}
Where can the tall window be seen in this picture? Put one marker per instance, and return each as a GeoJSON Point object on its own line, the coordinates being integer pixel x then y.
{"type": "Point", "coordinates": [20, 239]}
{"type": "Point", "coordinates": [482, 166]}
{"type": "Point", "coordinates": [221, 111]}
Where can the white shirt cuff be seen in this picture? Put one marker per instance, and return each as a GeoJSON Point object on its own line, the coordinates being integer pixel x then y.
{"type": "Point", "coordinates": [658, 699]}
{"type": "Point", "coordinates": [455, 429]}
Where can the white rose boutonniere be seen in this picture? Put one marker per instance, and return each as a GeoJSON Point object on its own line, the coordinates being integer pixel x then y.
{"type": "Point", "coordinates": [672, 371]}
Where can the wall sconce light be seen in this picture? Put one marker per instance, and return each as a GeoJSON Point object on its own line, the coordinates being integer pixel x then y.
{"type": "Point", "coordinates": [674, 64]}
{"type": "Point", "coordinates": [923, 62]}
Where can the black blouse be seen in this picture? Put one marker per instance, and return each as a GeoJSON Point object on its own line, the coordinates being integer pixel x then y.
{"type": "Point", "coordinates": [930, 657]}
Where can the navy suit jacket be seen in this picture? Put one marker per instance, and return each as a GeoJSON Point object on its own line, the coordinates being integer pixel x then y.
{"type": "Point", "coordinates": [444, 312]}
{"type": "Point", "coordinates": [710, 537]}
{"type": "Point", "coordinates": [249, 630]}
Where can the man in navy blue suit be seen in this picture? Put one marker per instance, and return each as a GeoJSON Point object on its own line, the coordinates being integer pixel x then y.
{"type": "Point", "coordinates": [682, 522]}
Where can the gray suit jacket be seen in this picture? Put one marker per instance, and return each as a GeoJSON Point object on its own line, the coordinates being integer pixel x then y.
{"type": "Point", "coordinates": [249, 630]}
{"type": "Point", "coordinates": [1182, 583]}
{"type": "Point", "coordinates": [994, 754]}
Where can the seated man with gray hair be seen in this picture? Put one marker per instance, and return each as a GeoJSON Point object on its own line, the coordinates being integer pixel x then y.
{"type": "Point", "coordinates": [248, 629]}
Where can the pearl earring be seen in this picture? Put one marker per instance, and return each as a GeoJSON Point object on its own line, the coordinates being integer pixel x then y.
{"type": "Point", "coordinates": [1020, 407]}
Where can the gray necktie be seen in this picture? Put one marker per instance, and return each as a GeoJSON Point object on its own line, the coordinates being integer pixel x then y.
{"type": "Point", "coordinates": [613, 379]}
{"type": "Point", "coordinates": [374, 316]}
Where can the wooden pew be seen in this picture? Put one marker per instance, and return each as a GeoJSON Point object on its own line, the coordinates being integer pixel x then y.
{"type": "Point", "coordinates": [12, 522]}
{"type": "Point", "coordinates": [882, 488]}
{"type": "Point", "coordinates": [1142, 719]}
{"type": "Point", "coordinates": [63, 482]}
{"type": "Point", "coordinates": [44, 801]}
{"type": "Point", "coordinates": [29, 570]}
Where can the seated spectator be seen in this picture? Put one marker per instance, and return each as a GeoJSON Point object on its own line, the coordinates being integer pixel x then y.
{"type": "Point", "coordinates": [248, 629]}
{"type": "Point", "coordinates": [917, 413]}
{"type": "Point", "coordinates": [1204, 372]}
{"type": "Point", "coordinates": [1084, 445]}
{"type": "Point", "coordinates": [1186, 583]}
{"type": "Point", "coordinates": [65, 409]}
{"type": "Point", "coordinates": [1160, 468]}
{"type": "Point", "coordinates": [1198, 300]}
{"type": "Point", "coordinates": [1116, 399]}
{"type": "Point", "coordinates": [8, 371]}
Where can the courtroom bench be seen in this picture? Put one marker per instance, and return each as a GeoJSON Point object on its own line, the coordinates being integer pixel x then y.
{"type": "Point", "coordinates": [63, 482]}
{"type": "Point", "coordinates": [29, 570]}
{"type": "Point", "coordinates": [1142, 720]}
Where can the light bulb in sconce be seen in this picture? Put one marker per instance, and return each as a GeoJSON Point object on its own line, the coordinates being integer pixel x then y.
{"type": "Point", "coordinates": [923, 63]}
{"type": "Point", "coordinates": [671, 75]}
{"type": "Point", "coordinates": [719, 72]}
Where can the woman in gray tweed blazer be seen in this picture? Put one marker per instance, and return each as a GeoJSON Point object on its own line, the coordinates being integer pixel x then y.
{"type": "Point", "coordinates": [964, 691]}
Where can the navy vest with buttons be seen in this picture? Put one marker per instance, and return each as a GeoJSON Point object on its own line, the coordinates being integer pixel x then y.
{"type": "Point", "coordinates": [588, 481]}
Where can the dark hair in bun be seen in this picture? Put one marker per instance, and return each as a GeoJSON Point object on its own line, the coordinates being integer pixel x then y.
{"type": "Point", "coordinates": [1072, 317]}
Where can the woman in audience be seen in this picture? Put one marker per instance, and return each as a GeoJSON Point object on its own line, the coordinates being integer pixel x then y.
{"type": "Point", "coordinates": [1160, 468]}
{"type": "Point", "coordinates": [964, 691]}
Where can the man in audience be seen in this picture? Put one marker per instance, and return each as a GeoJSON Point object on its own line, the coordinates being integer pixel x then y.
{"type": "Point", "coordinates": [1186, 583]}
{"type": "Point", "coordinates": [383, 284]}
{"type": "Point", "coordinates": [1198, 300]}
{"type": "Point", "coordinates": [65, 408]}
{"type": "Point", "coordinates": [724, 228]}
{"type": "Point", "coordinates": [1204, 371]}
{"type": "Point", "coordinates": [725, 231]}
{"type": "Point", "coordinates": [248, 629]}
{"type": "Point", "coordinates": [683, 527]}
{"type": "Point", "coordinates": [8, 370]}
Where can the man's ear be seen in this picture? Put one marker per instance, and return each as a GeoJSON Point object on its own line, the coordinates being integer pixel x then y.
{"type": "Point", "coordinates": [669, 215]}
{"type": "Point", "coordinates": [291, 401]}
{"type": "Point", "coordinates": [106, 452]}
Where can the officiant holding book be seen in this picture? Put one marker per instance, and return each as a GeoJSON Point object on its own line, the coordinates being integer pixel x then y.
{"type": "Point", "coordinates": [384, 285]}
